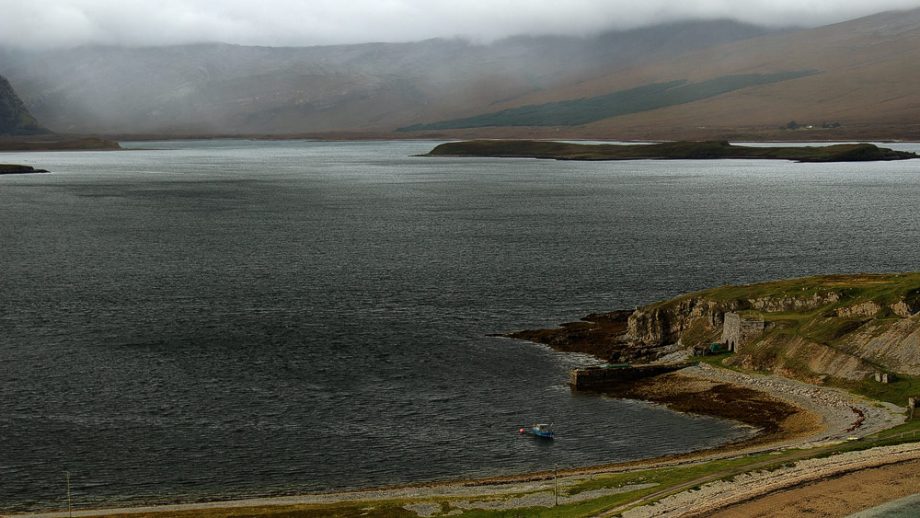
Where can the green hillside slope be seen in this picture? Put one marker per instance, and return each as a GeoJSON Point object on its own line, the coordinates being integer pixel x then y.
{"type": "Point", "coordinates": [634, 100]}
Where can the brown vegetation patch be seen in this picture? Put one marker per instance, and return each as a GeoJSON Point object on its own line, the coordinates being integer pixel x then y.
{"type": "Point", "coordinates": [776, 419]}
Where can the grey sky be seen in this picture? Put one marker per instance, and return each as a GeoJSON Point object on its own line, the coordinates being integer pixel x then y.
{"type": "Point", "coordinates": [53, 23]}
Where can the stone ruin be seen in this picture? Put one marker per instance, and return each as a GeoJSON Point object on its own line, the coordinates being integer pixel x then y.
{"type": "Point", "coordinates": [883, 377]}
{"type": "Point", "coordinates": [738, 331]}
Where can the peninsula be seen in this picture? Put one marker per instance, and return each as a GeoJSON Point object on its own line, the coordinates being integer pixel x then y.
{"type": "Point", "coordinates": [19, 169]}
{"type": "Point", "coordinates": [54, 142]}
{"type": "Point", "coordinates": [838, 330]}
{"type": "Point", "coordinates": [707, 150]}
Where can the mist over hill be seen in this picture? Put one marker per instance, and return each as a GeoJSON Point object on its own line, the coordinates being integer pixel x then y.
{"type": "Point", "coordinates": [861, 85]}
{"type": "Point", "coordinates": [689, 80]}
{"type": "Point", "coordinates": [370, 87]}
{"type": "Point", "coordinates": [15, 118]}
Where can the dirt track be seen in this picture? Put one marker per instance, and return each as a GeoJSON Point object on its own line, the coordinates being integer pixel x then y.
{"type": "Point", "coordinates": [781, 485]}
{"type": "Point", "coordinates": [834, 497]}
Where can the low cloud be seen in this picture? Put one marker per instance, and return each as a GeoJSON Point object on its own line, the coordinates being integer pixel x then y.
{"type": "Point", "coordinates": [61, 23]}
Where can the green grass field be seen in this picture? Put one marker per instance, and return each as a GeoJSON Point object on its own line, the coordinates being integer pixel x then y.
{"type": "Point", "coordinates": [577, 112]}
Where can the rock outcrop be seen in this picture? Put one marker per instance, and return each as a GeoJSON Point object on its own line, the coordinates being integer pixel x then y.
{"type": "Point", "coordinates": [834, 328]}
{"type": "Point", "coordinates": [840, 327]}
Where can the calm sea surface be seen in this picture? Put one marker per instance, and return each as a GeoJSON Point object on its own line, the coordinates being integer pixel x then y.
{"type": "Point", "coordinates": [194, 320]}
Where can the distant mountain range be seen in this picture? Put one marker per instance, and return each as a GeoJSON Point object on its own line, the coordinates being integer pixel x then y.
{"type": "Point", "coordinates": [685, 80]}
{"type": "Point", "coordinates": [19, 131]}
{"type": "Point", "coordinates": [370, 87]}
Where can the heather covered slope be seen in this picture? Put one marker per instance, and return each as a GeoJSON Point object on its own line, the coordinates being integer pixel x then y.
{"type": "Point", "coordinates": [865, 81]}
{"type": "Point", "coordinates": [862, 82]}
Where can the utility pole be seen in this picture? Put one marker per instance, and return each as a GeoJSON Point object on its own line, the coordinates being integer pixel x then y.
{"type": "Point", "coordinates": [69, 506]}
{"type": "Point", "coordinates": [556, 484]}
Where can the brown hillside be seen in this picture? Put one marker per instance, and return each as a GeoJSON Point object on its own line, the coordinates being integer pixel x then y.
{"type": "Point", "coordinates": [366, 88]}
{"type": "Point", "coordinates": [867, 82]}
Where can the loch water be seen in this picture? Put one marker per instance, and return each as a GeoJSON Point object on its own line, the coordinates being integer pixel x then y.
{"type": "Point", "coordinates": [218, 319]}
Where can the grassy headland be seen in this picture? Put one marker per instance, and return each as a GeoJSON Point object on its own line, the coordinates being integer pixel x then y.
{"type": "Point", "coordinates": [834, 330]}
{"type": "Point", "coordinates": [666, 151]}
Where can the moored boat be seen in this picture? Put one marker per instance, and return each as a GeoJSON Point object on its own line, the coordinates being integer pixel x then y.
{"type": "Point", "coordinates": [540, 430]}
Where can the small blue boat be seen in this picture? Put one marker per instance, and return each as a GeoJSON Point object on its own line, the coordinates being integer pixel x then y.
{"type": "Point", "coordinates": [540, 430]}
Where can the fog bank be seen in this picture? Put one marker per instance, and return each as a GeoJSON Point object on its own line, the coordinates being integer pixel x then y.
{"type": "Point", "coordinates": [64, 23]}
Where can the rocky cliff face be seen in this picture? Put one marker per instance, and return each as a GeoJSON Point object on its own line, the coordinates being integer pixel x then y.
{"type": "Point", "coordinates": [844, 328]}
{"type": "Point", "coordinates": [697, 320]}
{"type": "Point", "coordinates": [15, 119]}
{"type": "Point", "coordinates": [834, 329]}
{"type": "Point", "coordinates": [681, 322]}
{"type": "Point", "coordinates": [892, 343]}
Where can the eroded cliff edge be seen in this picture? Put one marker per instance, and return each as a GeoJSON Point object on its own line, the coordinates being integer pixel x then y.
{"type": "Point", "coordinates": [841, 330]}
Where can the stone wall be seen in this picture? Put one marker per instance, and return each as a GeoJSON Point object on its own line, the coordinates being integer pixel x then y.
{"type": "Point", "coordinates": [600, 378]}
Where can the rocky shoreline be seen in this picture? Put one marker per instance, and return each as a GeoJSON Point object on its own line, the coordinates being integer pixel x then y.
{"type": "Point", "coordinates": [792, 415]}
{"type": "Point", "coordinates": [784, 414]}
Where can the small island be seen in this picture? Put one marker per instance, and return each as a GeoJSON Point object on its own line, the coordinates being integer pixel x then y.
{"type": "Point", "coordinates": [53, 142]}
{"type": "Point", "coordinates": [709, 150]}
{"type": "Point", "coordinates": [19, 169]}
